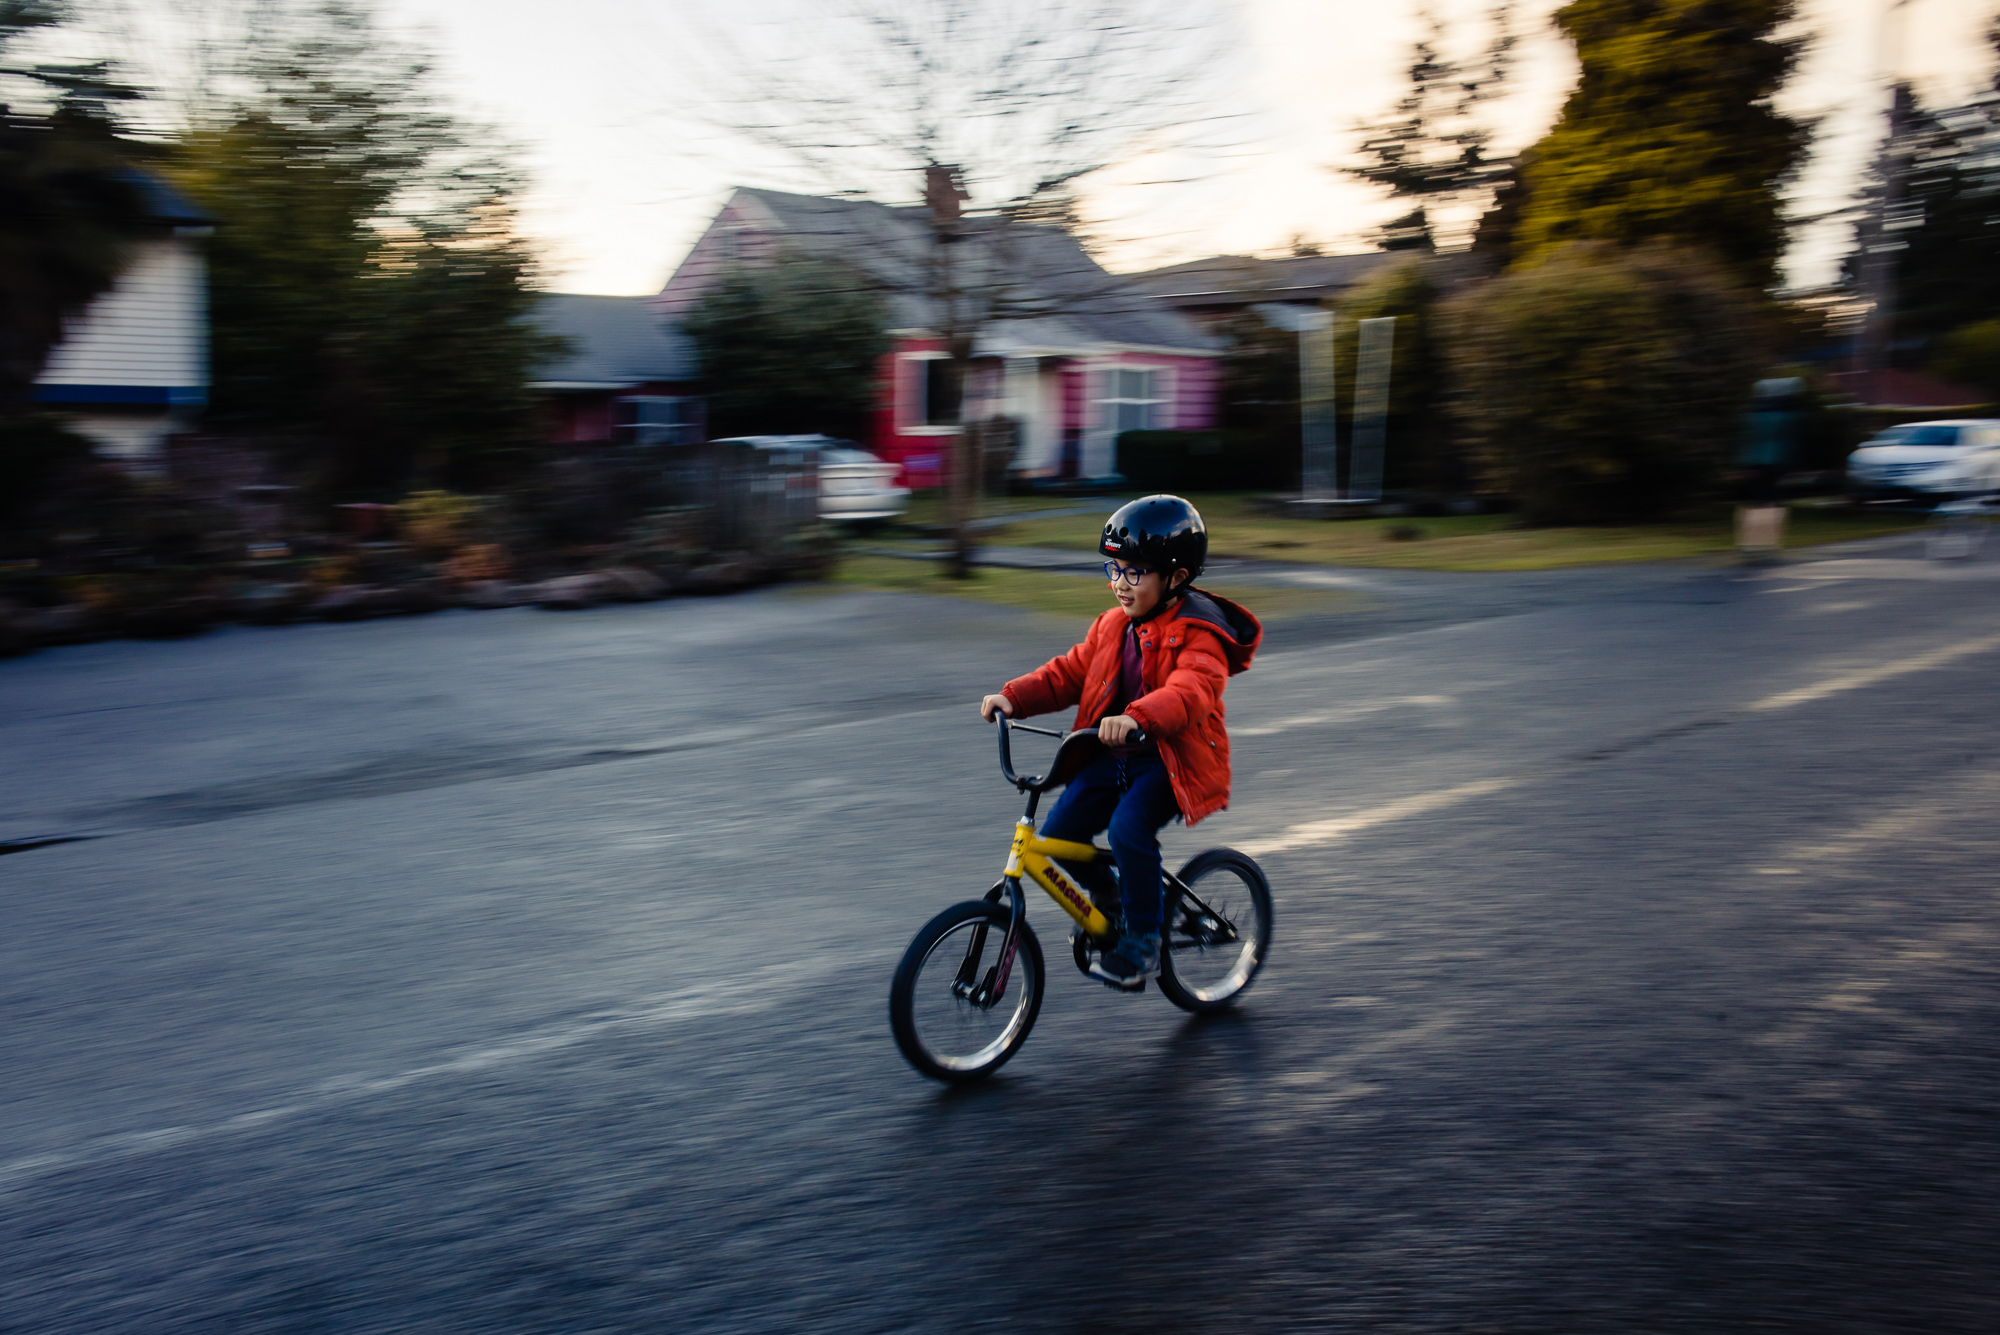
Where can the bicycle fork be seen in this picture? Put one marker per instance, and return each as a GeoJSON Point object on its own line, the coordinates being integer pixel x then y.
{"type": "Point", "coordinates": [988, 991]}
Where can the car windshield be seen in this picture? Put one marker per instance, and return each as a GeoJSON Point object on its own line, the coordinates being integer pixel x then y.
{"type": "Point", "coordinates": [838, 456]}
{"type": "Point", "coordinates": [1917, 435]}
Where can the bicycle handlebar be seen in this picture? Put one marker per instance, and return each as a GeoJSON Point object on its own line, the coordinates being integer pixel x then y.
{"type": "Point", "coordinates": [1039, 783]}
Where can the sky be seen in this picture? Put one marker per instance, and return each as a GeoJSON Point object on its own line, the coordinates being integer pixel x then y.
{"type": "Point", "coordinates": [623, 188]}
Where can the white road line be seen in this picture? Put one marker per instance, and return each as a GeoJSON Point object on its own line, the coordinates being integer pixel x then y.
{"type": "Point", "coordinates": [1341, 715]}
{"type": "Point", "coordinates": [1869, 676]}
{"type": "Point", "coordinates": [1314, 833]}
{"type": "Point", "coordinates": [1340, 827]}
{"type": "Point", "coordinates": [764, 989]}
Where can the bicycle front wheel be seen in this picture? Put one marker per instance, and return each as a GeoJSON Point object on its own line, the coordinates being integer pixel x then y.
{"type": "Point", "coordinates": [1218, 930]}
{"type": "Point", "coordinates": [942, 1010]}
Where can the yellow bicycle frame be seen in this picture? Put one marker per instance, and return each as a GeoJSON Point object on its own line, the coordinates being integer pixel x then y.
{"type": "Point", "coordinates": [1033, 855]}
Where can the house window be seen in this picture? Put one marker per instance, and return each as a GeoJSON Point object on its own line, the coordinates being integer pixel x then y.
{"type": "Point", "coordinates": [940, 403]}
{"type": "Point", "coordinates": [1134, 399]}
{"type": "Point", "coordinates": [926, 404]}
{"type": "Point", "coordinates": [656, 419]}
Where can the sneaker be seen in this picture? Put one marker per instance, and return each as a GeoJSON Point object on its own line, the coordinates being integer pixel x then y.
{"type": "Point", "coordinates": [1129, 964]}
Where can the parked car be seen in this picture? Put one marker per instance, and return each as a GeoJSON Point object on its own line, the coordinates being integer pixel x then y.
{"type": "Point", "coordinates": [856, 486]}
{"type": "Point", "coordinates": [1927, 461]}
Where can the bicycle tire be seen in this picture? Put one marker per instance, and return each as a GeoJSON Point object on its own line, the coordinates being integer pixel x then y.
{"type": "Point", "coordinates": [1237, 889]}
{"type": "Point", "coordinates": [933, 1024]}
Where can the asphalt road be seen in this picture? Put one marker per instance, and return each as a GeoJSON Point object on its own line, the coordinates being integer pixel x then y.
{"type": "Point", "coordinates": [1636, 970]}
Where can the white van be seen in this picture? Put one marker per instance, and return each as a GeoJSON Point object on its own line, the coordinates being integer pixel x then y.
{"type": "Point", "coordinates": [1927, 461]}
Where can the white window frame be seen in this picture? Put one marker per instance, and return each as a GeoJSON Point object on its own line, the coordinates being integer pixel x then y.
{"type": "Point", "coordinates": [1161, 396]}
{"type": "Point", "coordinates": [1098, 453]}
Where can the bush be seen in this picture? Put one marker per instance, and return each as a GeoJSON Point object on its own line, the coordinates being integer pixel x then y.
{"type": "Point", "coordinates": [435, 523]}
{"type": "Point", "coordinates": [1422, 451]}
{"type": "Point", "coordinates": [1260, 390]}
{"type": "Point", "coordinates": [34, 451]}
{"type": "Point", "coordinates": [1970, 355]}
{"type": "Point", "coordinates": [1204, 460]}
{"type": "Point", "coordinates": [1604, 386]}
{"type": "Point", "coordinates": [790, 347]}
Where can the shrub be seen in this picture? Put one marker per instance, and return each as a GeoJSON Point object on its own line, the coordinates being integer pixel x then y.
{"type": "Point", "coordinates": [435, 523]}
{"type": "Point", "coordinates": [34, 450]}
{"type": "Point", "coordinates": [1970, 355]}
{"type": "Point", "coordinates": [1260, 390]}
{"type": "Point", "coordinates": [1204, 460]}
{"type": "Point", "coordinates": [1603, 385]}
{"type": "Point", "coordinates": [1422, 451]}
{"type": "Point", "coordinates": [478, 562]}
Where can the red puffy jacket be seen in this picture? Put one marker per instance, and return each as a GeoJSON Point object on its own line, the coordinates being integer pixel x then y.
{"type": "Point", "coordinates": [1187, 654]}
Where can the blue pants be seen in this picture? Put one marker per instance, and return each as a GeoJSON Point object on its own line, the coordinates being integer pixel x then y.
{"type": "Point", "coordinates": [1133, 799]}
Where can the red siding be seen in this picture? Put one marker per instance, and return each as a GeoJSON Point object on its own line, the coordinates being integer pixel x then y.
{"type": "Point", "coordinates": [898, 391]}
{"type": "Point", "coordinates": [587, 415]}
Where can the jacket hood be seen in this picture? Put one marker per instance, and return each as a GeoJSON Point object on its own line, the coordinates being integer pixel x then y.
{"type": "Point", "coordinates": [1239, 631]}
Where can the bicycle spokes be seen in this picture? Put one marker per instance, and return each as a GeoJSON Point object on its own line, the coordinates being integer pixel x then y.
{"type": "Point", "coordinates": [1201, 924]}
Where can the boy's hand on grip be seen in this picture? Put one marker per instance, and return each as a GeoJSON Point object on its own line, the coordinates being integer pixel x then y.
{"type": "Point", "coordinates": [1114, 730]}
{"type": "Point", "coordinates": [995, 704]}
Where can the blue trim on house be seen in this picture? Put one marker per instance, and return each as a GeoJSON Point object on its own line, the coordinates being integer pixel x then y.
{"type": "Point", "coordinates": [164, 204]}
{"type": "Point", "coordinates": [161, 396]}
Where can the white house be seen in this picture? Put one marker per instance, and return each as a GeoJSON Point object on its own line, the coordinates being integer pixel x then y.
{"type": "Point", "coordinates": [133, 367]}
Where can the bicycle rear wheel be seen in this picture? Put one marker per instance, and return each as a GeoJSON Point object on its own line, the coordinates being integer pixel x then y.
{"type": "Point", "coordinates": [1217, 932]}
{"type": "Point", "coordinates": [938, 1010]}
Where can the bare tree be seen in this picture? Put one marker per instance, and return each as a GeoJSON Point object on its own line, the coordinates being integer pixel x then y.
{"type": "Point", "coordinates": [191, 57]}
{"type": "Point", "coordinates": [998, 111]}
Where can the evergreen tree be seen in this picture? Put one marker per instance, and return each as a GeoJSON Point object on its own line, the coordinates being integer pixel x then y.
{"type": "Point", "coordinates": [1670, 135]}
{"type": "Point", "coordinates": [790, 347]}
{"type": "Point", "coordinates": [1431, 147]}
{"type": "Point", "coordinates": [1944, 223]}
{"type": "Point", "coordinates": [369, 293]}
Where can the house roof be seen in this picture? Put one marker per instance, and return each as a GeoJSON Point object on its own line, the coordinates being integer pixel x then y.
{"type": "Point", "coordinates": [614, 343]}
{"type": "Point", "coordinates": [1053, 297]}
{"type": "Point", "coordinates": [1234, 280]}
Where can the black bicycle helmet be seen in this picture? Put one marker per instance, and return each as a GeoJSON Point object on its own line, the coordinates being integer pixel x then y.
{"type": "Point", "coordinates": [1164, 532]}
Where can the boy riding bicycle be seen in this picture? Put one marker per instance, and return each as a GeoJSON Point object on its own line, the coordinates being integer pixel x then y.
{"type": "Point", "coordinates": [1149, 676]}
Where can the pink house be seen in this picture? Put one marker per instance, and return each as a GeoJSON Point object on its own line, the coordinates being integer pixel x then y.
{"type": "Point", "coordinates": [1071, 353]}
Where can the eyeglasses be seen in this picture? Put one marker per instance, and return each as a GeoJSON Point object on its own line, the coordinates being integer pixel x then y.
{"type": "Point", "coordinates": [1118, 574]}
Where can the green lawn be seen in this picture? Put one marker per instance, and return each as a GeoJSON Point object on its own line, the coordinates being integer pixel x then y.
{"type": "Point", "coordinates": [1472, 542]}
{"type": "Point", "coordinates": [1073, 596]}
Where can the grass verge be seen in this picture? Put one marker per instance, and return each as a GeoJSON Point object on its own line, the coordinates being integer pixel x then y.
{"type": "Point", "coordinates": [1470, 542]}
{"type": "Point", "coordinates": [1072, 596]}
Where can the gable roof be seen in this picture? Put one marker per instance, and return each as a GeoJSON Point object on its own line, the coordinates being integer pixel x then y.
{"type": "Point", "coordinates": [1235, 280]}
{"type": "Point", "coordinates": [1053, 297]}
{"type": "Point", "coordinates": [614, 343]}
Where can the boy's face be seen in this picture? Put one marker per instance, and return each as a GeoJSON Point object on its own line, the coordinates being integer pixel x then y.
{"type": "Point", "coordinates": [1137, 598]}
